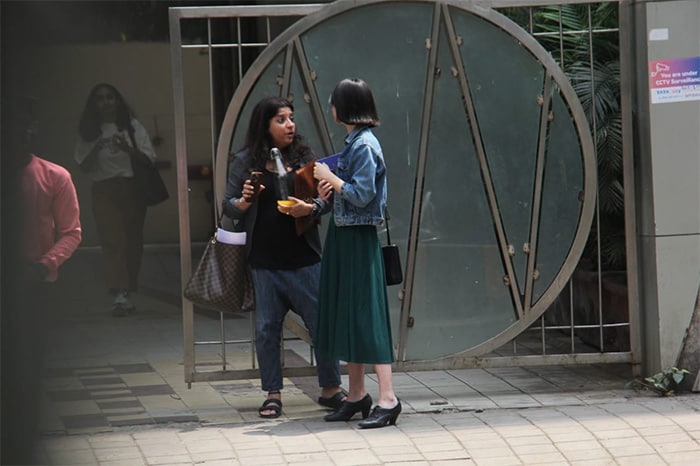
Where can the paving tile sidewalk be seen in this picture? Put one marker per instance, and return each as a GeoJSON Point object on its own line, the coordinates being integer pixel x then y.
{"type": "Point", "coordinates": [115, 395]}
{"type": "Point", "coordinates": [631, 431]}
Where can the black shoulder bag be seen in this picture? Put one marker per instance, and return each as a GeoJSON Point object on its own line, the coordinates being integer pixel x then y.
{"type": "Point", "coordinates": [392, 261]}
{"type": "Point", "coordinates": [148, 180]}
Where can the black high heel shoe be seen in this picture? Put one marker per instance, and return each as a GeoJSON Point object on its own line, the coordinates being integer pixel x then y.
{"type": "Point", "coordinates": [380, 417]}
{"type": "Point", "coordinates": [348, 409]}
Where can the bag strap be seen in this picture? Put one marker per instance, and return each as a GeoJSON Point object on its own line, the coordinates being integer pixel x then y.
{"type": "Point", "coordinates": [130, 130]}
{"type": "Point", "coordinates": [386, 220]}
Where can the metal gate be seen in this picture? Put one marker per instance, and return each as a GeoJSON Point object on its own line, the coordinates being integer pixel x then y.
{"type": "Point", "coordinates": [494, 273]}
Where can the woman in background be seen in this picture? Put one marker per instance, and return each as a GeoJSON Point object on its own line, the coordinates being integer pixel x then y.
{"type": "Point", "coordinates": [353, 316]}
{"type": "Point", "coordinates": [111, 141]}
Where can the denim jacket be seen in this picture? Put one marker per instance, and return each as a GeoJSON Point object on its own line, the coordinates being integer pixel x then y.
{"type": "Point", "coordinates": [362, 199]}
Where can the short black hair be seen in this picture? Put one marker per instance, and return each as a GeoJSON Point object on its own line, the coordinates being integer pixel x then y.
{"type": "Point", "coordinates": [354, 103]}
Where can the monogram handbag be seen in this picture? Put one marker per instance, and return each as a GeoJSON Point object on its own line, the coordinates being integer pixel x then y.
{"type": "Point", "coordinates": [222, 281]}
{"type": "Point", "coordinates": [392, 261]}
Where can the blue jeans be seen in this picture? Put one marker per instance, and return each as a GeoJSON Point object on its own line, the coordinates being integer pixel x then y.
{"type": "Point", "coordinates": [277, 292]}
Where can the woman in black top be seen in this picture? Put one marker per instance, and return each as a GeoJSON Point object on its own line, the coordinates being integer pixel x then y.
{"type": "Point", "coordinates": [285, 267]}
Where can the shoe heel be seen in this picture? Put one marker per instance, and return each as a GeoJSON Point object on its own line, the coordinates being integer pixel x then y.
{"type": "Point", "coordinates": [365, 412]}
{"type": "Point", "coordinates": [392, 421]}
{"type": "Point", "coordinates": [366, 406]}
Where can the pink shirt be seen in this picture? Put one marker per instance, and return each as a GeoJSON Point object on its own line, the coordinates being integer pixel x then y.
{"type": "Point", "coordinates": [53, 229]}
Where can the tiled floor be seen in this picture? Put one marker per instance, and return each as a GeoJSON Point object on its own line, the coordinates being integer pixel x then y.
{"type": "Point", "coordinates": [105, 372]}
{"type": "Point", "coordinates": [116, 388]}
{"type": "Point", "coordinates": [101, 397]}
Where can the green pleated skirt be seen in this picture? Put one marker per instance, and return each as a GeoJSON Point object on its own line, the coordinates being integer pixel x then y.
{"type": "Point", "coordinates": [353, 316]}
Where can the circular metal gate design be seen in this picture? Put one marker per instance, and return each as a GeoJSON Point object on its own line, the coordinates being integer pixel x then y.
{"type": "Point", "coordinates": [491, 169]}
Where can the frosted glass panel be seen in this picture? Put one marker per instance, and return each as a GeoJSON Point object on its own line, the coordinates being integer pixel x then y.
{"type": "Point", "coordinates": [505, 86]}
{"type": "Point", "coordinates": [459, 299]}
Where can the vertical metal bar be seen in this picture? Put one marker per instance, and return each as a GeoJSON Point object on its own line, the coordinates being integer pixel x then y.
{"type": "Point", "coordinates": [212, 122]}
{"type": "Point", "coordinates": [176, 64]}
{"type": "Point", "coordinates": [212, 141]}
{"type": "Point", "coordinates": [267, 28]}
{"type": "Point", "coordinates": [543, 335]}
{"type": "Point", "coordinates": [572, 324]}
{"type": "Point", "coordinates": [222, 333]}
{"type": "Point", "coordinates": [627, 97]}
{"type": "Point", "coordinates": [594, 125]}
{"type": "Point", "coordinates": [561, 40]}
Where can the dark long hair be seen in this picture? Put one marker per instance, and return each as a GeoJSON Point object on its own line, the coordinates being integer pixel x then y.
{"type": "Point", "coordinates": [354, 103]}
{"type": "Point", "coordinates": [90, 124]}
{"type": "Point", "coordinates": [258, 139]}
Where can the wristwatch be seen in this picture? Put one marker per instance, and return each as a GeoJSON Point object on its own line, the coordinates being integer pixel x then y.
{"type": "Point", "coordinates": [314, 209]}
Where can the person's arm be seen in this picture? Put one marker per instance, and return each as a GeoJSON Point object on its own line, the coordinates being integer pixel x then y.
{"type": "Point", "coordinates": [324, 199]}
{"type": "Point", "coordinates": [239, 191]}
{"type": "Point", "coordinates": [66, 214]}
{"type": "Point", "coordinates": [86, 153]}
{"type": "Point", "coordinates": [360, 189]}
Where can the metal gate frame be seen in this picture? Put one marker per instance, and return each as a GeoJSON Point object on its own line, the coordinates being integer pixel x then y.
{"type": "Point", "coordinates": [236, 13]}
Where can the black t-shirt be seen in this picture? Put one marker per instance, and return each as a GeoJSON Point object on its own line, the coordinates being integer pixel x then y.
{"type": "Point", "coordinates": [275, 242]}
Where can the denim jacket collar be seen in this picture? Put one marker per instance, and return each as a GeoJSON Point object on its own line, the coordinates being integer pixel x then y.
{"type": "Point", "coordinates": [353, 134]}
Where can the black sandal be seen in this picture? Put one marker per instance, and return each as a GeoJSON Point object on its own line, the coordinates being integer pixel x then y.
{"type": "Point", "coordinates": [271, 404]}
{"type": "Point", "coordinates": [334, 402]}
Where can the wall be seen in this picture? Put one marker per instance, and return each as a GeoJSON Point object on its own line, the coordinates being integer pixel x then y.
{"type": "Point", "coordinates": [670, 184]}
{"type": "Point", "coordinates": [61, 77]}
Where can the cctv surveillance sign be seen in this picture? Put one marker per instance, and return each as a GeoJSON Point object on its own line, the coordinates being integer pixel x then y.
{"type": "Point", "coordinates": [674, 80]}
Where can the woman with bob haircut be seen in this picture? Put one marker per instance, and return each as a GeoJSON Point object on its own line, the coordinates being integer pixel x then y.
{"type": "Point", "coordinates": [353, 317]}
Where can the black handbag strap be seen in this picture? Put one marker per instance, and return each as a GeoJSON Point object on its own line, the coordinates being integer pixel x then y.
{"type": "Point", "coordinates": [386, 219]}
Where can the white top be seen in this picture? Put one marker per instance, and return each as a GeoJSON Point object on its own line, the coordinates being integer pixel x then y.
{"type": "Point", "coordinates": [112, 162]}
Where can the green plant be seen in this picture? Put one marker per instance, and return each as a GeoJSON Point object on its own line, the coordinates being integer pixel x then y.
{"type": "Point", "coordinates": [664, 383]}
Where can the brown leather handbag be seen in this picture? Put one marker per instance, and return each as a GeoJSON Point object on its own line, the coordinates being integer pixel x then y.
{"type": "Point", "coordinates": [305, 189]}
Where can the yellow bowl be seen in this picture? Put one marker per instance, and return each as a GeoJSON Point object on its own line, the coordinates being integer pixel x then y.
{"type": "Point", "coordinates": [286, 202]}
